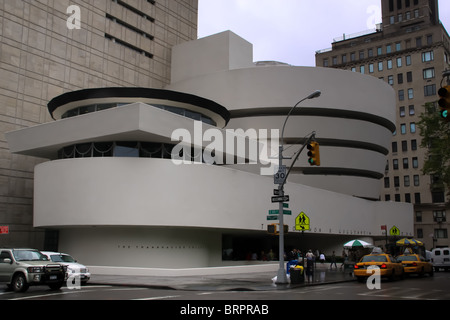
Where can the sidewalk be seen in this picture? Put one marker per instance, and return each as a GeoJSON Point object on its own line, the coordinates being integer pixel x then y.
{"type": "Point", "coordinates": [258, 281]}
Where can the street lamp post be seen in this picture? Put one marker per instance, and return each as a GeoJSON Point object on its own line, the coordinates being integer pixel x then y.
{"type": "Point", "coordinates": [281, 277]}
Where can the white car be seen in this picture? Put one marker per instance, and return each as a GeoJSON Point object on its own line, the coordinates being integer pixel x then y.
{"type": "Point", "coordinates": [74, 268]}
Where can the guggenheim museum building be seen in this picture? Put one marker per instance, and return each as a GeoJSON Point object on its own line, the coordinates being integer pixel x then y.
{"type": "Point", "coordinates": [169, 178]}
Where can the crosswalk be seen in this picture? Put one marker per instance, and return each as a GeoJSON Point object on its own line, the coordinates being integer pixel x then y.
{"type": "Point", "coordinates": [360, 292]}
{"type": "Point", "coordinates": [407, 294]}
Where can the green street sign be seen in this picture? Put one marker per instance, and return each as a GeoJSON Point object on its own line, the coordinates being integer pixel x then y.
{"type": "Point", "coordinates": [272, 218]}
{"type": "Point", "coordinates": [285, 212]}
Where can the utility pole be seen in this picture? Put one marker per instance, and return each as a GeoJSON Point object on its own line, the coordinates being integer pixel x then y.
{"type": "Point", "coordinates": [281, 276]}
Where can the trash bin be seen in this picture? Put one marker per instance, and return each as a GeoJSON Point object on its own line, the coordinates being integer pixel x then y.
{"type": "Point", "coordinates": [297, 276]}
{"type": "Point", "coordinates": [290, 264]}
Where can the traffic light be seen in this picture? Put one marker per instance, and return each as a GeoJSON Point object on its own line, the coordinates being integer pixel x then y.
{"type": "Point", "coordinates": [313, 154]}
{"type": "Point", "coordinates": [444, 102]}
{"type": "Point", "coordinates": [272, 228]}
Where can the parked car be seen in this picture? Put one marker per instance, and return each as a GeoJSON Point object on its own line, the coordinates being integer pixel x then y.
{"type": "Point", "coordinates": [74, 268]}
{"type": "Point", "coordinates": [21, 268]}
{"type": "Point", "coordinates": [389, 266]}
{"type": "Point", "coordinates": [440, 258]}
{"type": "Point", "coordinates": [415, 264]}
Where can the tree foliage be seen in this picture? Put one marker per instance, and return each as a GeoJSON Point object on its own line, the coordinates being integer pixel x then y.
{"type": "Point", "coordinates": [436, 138]}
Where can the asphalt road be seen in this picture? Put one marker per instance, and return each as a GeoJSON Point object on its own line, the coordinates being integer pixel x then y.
{"type": "Point", "coordinates": [412, 288]}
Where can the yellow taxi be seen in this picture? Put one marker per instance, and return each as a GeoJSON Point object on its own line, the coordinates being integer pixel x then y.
{"type": "Point", "coordinates": [389, 267]}
{"type": "Point", "coordinates": [414, 263]}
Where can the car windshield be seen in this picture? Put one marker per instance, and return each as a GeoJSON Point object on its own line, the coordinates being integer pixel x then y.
{"type": "Point", "coordinates": [374, 259]}
{"type": "Point", "coordinates": [61, 258]}
{"type": "Point", "coordinates": [29, 255]}
{"type": "Point", "coordinates": [407, 258]}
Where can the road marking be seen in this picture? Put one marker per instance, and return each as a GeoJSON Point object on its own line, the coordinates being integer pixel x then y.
{"type": "Point", "coordinates": [377, 292]}
{"type": "Point", "coordinates": [158, 298]}
{"type": "Point", "coordinates": [49, 295]}
{"type": "Point", "coordinates": [322, 288]}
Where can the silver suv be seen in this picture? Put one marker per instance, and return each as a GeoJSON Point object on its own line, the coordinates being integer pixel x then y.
{"type": "Point", "coordinates": [20, 268]}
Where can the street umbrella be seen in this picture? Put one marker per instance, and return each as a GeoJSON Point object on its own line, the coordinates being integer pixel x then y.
{"type": "Point", "coordinates": [405, 242]}
{"type": "Point", "coordinates": [355, 244]}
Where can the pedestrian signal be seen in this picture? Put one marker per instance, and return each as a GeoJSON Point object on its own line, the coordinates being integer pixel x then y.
{"type": "Point", "coordinates": [444, 103]}
{"type": "Point", "coordinates": [272, 228]}
{"type": "Point", "coordinates": [313, 154]}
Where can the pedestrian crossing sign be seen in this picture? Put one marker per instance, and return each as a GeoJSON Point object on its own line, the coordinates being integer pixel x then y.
{"type": "Point", "coordinates": [302, 222]}
{"type": "Point", "coordinates": [394, 231]}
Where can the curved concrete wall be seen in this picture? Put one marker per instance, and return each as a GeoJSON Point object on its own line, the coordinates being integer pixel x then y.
{"type": "Point", "coordinates": [157, 193]}
{"type": "Point", "coordinates": [353, 118]}
{"type": "Point", "coordinates": [140, 212]}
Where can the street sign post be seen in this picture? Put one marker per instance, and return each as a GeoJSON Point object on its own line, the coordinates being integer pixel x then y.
{"type": "Point", "coordinates": [280, 199]}
{"type": "Point", "coordinates": [278, 178]}
{"type": "Point", "coordinates": [394, 231]}
{"type": "Point", "coordinates": [276, 212]}
{"type": "Point", "coordinates": [302, 222]}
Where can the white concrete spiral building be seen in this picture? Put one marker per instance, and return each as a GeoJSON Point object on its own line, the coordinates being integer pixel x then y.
{"type": "Point", "coordinates": [117, 202]}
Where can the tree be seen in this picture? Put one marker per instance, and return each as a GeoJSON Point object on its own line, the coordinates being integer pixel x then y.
{"type": "Point", "coordinates": [435, 135]}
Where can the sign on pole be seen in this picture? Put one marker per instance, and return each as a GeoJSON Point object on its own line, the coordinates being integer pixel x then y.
{"type": "Point", "coordinates": [302, 222]}
{"type": "Point", "coordinates": [280, 199]}
{"type": "Point", "coordinates": [394, 231]}
{"type": "Point", "coordinates": [278, 177]}
{"type": "Point", "coordinates": [4, 229]}
{"type": "Point", "coordinates": [276, 212]}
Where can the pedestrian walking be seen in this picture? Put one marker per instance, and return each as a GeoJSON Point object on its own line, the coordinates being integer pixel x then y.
{"type": "Point", "coordinates": [344, 258]}
{"type": "Point", "coordinates": [322, 258]}
{"type": "Point", "coordinates": [333, 261]}
{"type": "Point", "coordinates": [309, 264]}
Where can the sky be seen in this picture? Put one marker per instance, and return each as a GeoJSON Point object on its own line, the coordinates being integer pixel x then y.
{"type": "Point", "coordinates": [291, 31]}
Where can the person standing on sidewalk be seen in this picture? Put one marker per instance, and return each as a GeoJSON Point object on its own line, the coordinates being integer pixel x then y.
{"type": "Point", "coordinates": [333, 261]}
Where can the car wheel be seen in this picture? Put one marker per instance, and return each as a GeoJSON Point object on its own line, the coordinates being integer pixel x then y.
{"type": "Point", "coordinates": [56, 286]}
{"type": "Point", "coordinates": [361, 279]}
{"type": "Point", "coordinates": [392, 276]}
{"type": "Point", "coordinates": [19, 283]}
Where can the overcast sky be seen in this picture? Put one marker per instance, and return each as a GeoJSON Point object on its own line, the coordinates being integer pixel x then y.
{"type": "Point", "coordinates": [292, 31]}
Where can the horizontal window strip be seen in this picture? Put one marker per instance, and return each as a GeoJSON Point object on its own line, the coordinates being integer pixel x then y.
{"type": "Point", "coordinates": [318, 112]}
{"type": "Point", "coordinates": [339, 143]}
{"type": "Point", "coordinates": [133, 9]}
{"type": "Point", "coordinates": [323, 171]}
{"type": "Point", "coordinates": [129, 26]}
{"type": "Point", "coordinates": [128, 45]}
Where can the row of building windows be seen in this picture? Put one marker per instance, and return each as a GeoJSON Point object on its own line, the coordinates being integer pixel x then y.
{"type": "Point", "coordinates": [99, 107]}
{"type": "Point", "coordinates": [131, 27]}
{"type": "Point", "coordinates": [404, 17]}
{"type": "Point", "coordinates": [404, 145]}
{"type": "Point", "coordinates": [381, 51]}
{"type": "Point", "coordinates": [438, 216]}
{"type": "Point", "coordinates": [117, 149]}
{"type": "Point", "coordinates": [128, 149]}
{"type": "Point", "coordinates": [400, 4]}
{"type": "Point", "coordinates": [437, 234]}
{"type": "Point", "coordinates": [406, 181]}
{"type": "Point", "coordinates": [428, 73]}
{"type": "Point", "coordinates": [405, 161]}
{"type": "Point", "coordinates": [437, 197]}
{"type": "Point", "coordinates": [411, 111]}
{"type": "Point", "coordinates": [404, 128]}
